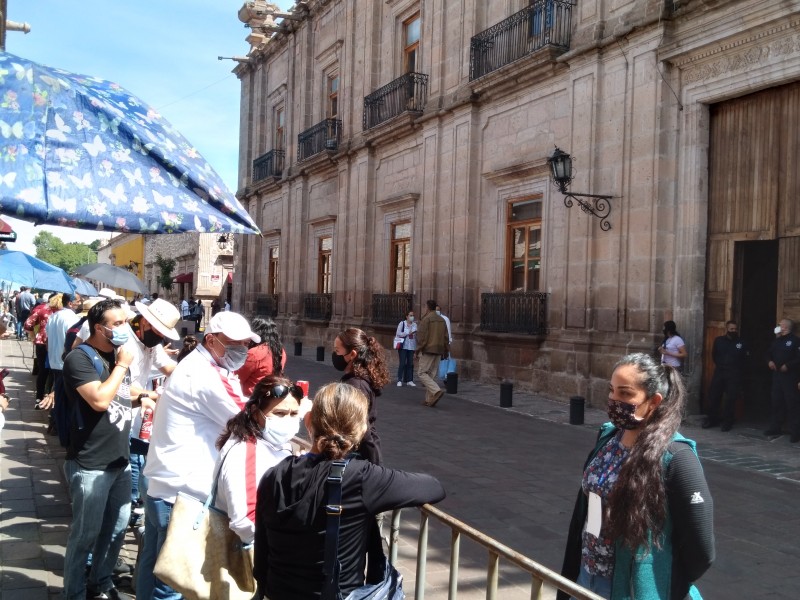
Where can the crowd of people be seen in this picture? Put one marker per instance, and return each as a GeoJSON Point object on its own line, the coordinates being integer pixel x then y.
{"type": "Point", "coordinates": [144, 424]}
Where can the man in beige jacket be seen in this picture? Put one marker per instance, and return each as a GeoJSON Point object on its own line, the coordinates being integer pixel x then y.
{"type": "Point", "coordinates": [432, 344]}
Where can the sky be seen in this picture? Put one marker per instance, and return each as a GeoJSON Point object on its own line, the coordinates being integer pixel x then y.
{"type": "Point", "coordinates": [163, 51]}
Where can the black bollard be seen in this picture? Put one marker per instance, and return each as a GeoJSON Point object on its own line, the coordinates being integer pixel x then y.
{"type": "Point", "coordinates": [506, 391]}
{"type": "Point", "coordinates": [576, 404]}
{"type": "Point", "coordinates": [298, 348]}
{"type": "Point", "coordinates": [320, 353]}
{"type": "Point", "coordinates": [184, 332]}
{"type": "Point", "coordinates": [451, 383]}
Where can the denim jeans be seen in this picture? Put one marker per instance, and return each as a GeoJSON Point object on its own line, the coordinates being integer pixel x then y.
{"type": "Point", "coordinates": [596, 583]}
{"type": "Point", "coordinates": [156, 521]}
{"type": "Point", "coordinates": [405, 369]}
{"type": "Point", "coordinates": [101, 506]}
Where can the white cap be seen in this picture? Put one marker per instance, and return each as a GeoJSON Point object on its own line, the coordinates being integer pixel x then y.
{"type": "Point", "coordinates": [162, 316]}
{"type": "Point", "coordinates": [234, 325]}
{"type": "Point", "coordinates": [107, 293]}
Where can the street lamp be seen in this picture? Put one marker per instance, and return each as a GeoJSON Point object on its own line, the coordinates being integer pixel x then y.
{"type": "Point", "coordinates": [561, 170]}
{"type": "Point", "coordinates": [224, 240]}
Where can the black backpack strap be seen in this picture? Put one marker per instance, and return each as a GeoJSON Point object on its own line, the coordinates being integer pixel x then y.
{"type": "Point", "coordinates": [333, 509]}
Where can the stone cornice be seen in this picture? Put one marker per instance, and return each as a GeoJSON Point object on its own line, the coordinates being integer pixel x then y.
{"type": "Point", "coordinates": [322, 220]}
{"type": "Point", "coordinates": [398, 202]}
{"type": "Point", "coordinates": [684, 53]}
{"type": "Point", "coordinates": [530, 169]}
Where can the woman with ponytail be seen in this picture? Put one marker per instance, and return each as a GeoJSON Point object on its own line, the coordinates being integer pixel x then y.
{"type": "Point", "coordinates": [362, 359]}
{"type": "Point", "coordinates": [643, 523]}
{"type": "Point", "coordinates": [291, 517]}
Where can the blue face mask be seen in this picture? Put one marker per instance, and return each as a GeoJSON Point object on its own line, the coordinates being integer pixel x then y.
{"type": "Point", "coordinates": [119, 335]}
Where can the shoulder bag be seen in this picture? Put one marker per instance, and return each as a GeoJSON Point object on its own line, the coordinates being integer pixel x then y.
{"type": "Point", "coordinates": [202, 558]}
{"type": "Point", "coordinates": [390, 588]}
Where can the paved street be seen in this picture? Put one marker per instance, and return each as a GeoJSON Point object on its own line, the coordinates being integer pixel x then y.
{"type": "Point", "coordinates": [511, 473]}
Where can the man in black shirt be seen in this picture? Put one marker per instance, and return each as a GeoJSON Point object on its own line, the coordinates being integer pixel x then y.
{"type": "Point", "coordinates": [97, 384]}
{"type": "Point", "coordinates": [784, 362]}
{"type": "Point", "coordinates": [730, 355]}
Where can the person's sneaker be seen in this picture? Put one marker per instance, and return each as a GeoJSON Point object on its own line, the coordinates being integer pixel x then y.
{"type": "Point", "coordinates": [122, 568]}
{"type": "Point", "coordinates": [435, 398]}
{"type": "Point", "coordinates": [110, 594]}
{"type": "Point", "coordinates": [399, 384]}
{"type": "Point", "coordinates": [708, 423]}
{"type": "Point", "coordinates": [726, 427]}
{"type": "Point", "coordinates": [412, 384]}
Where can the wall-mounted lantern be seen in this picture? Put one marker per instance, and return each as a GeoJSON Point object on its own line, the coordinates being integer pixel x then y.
{"type": "Point", "coordinates": [561, 171]}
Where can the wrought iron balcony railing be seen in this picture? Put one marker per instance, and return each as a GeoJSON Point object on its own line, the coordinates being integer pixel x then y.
{"type": "Point", "coordinates": [317, 306]}
{"type": "Point", "coordinates": [325, 135]}
{"type": "Point", "coordinates": [268, 165]}
{"type": "Point", "coordinates": [543, 23]}
{"type": "Point", "coordinates": [515, 312]}
{"type": "Point", "coordinates": [267, 306]}
{"type": "Point", "coordinates": [390, 309]}
{"type": "Point", "coordinates": [405, 94]}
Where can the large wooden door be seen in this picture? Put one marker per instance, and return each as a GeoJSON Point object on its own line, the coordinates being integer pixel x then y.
{"type": "Point", "coordinates": [753, 253]}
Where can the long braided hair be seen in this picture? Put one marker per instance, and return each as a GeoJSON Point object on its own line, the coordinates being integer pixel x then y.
{"type": "Point", "coordinates": [637, 504]}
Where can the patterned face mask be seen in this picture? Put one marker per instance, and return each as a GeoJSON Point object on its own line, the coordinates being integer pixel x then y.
{"type": "Point", "coordinates": [622, 415]}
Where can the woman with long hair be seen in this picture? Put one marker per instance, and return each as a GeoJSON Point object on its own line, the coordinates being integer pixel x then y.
{"type": "Point", "coordinates": [673, 349]}
{"type": "Point", "coordinates": [252, 442]}
{"type": "Point", "coordinates": [362, 359]}
{"type": "Point", "coordinates": [265, 358]}
{"type": "Point", "coordinates": [291, 516]}
{"type": "Point", "coordinates": [643, 523]}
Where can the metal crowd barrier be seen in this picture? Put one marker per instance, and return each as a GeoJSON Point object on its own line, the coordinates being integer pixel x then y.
{"type": "Point", "coordinates": [540, 575]}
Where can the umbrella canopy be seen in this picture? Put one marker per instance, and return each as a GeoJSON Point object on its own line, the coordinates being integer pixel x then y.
{"type": "Point", "coordinates": [113, 277]}
{"type": "Point", "coordinates": [82, 152]}
{"type": "Point", "coordinates": [83, 287]}
{"type": "Point", "coordinates": [24, 269]}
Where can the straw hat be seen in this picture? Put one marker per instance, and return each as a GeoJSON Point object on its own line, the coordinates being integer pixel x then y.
{"type": "Point", "coordinates": [162, 316]}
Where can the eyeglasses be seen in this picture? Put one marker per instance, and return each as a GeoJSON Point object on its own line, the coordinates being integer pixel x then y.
{"type": "Point", "coordinates": [281, 391]}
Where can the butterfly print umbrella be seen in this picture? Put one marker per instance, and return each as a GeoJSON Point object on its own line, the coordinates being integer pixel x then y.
{"type": "Point", "coordinates": [82, 152]}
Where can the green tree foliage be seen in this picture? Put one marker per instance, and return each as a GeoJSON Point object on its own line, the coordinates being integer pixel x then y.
{"type": "Point", "coordinates": [165, 268]}
{"type": "Point", "coordinates": [51, 249]}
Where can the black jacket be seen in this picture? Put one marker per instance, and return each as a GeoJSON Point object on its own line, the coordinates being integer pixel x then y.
{"type": "Point", "coordinates": [291, 520]}
{"type": "Point", "coordinates": [728, 354]}
{"type": "Point", "coordinates": [785, 350]}
{"type": "Point", "coordinates": [370, 447]}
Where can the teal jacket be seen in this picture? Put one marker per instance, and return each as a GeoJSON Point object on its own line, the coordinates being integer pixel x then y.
{"type": "Point", "coordinates": [687, 538]}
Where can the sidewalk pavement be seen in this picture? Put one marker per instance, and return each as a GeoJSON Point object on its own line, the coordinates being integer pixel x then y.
{"type": "Point", "coordinates": [488, 491]}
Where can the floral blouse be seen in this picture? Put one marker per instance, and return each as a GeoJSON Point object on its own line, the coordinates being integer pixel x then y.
{"type": "Point", "coordinates": [39, 316]}
{"type": "Point", "coordinates": [597, 554]}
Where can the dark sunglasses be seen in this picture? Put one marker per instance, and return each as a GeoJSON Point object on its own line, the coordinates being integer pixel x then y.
{"type": "Point", "coordinates": [281, 391]}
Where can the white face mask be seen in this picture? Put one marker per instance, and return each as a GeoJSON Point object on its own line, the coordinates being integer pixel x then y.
{"type": "Point", "coordinates": [280, 430]}
{"type": "Point", "coordinates": [438, 312]}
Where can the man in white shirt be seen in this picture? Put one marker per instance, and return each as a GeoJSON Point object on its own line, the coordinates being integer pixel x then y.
{"type": "Point", "coordinates": [56, 329]}
{"type": "Point", "coordinates": [184, 309]}
{"type": "Point", "coordinates": [199, 398]}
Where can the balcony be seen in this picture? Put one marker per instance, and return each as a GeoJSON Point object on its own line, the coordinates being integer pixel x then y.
{"type": "Point", "coordinates": [317, 306]}
{"type": "Point", "coordinates": [268, 165]}
{"type": "Point", "coordinates": [326, 135]}
{"type": "Point", "coordinates": [515, 312]}
{"type": "Point", "coordinates": [390, 309]}
{"type": "Point", "coordinates": [405, 94]}
{"type": "Point", "coordinates": [267, 306]}
{"type": "Point", "coordinates": [543, 23]}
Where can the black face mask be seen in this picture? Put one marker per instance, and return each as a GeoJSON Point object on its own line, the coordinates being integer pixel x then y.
{"type": "Point", "coordinates": [151, 339]}
{"type": "Point", "coordinates": [733, 335]}
{"type": "Point", "coordinates": [339, 362]}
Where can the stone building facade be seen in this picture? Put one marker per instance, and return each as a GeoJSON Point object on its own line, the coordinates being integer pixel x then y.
{"type": "Point", "coordinates": [397, 151]}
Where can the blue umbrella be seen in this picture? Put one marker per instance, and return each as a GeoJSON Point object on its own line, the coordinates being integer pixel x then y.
{"type": "Point", "coordinates": [24, 269]}
{"type": "Point", "coordinates": [83, 287]}
{"type": "Point", "coordinates": [82, 152]}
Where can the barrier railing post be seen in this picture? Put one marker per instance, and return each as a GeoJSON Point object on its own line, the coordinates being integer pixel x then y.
{"type": "Point", "coordinates": [394, 536]}
{"type": "Point", "coordinates": [492, 576]}
{"type": "Point", "coordinates": [455, 556]}
{"type": "Point", "coordinates": [422, 557]}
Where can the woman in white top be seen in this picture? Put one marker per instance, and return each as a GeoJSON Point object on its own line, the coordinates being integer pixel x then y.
{"type": "Point", "coordinates": [252, 442]}
{"type": "Point", "coordinates": [406, 343]}
{"type": "Point", "coordinates": [673, 350]}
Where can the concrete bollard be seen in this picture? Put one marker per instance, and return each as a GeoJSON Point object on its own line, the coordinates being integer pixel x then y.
{"type": "Point", "coordinates": [320, 353]}
{"type": "Point", "coordinates": [576, 405]}
{"type": "Point", "coordinates": [506, 392]}
{"type": "Point", "coordinates": [451, 383]}
{"type": "Point", "coordinates": [298, 348]}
